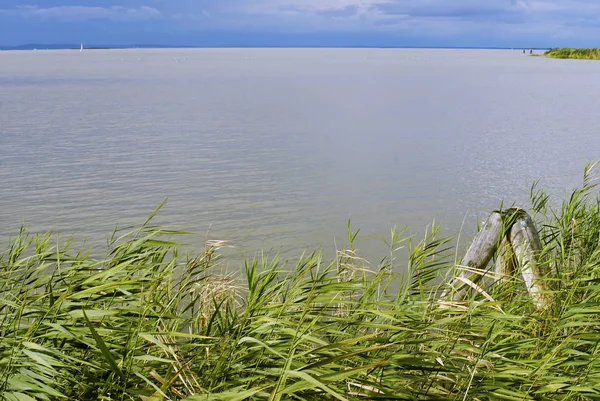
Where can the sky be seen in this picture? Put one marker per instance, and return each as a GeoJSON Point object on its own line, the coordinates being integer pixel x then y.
{"type": "Point", "coordinates": [379, 23]}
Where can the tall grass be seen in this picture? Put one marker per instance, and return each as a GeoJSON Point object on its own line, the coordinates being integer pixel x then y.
{"type": "Point", "coordinates": [148, 322]}
{"type": "Point", "coordinates": [586, 54]}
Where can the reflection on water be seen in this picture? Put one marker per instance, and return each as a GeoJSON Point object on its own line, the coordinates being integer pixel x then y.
{"type": "Point", "coordinates": [274, 148]}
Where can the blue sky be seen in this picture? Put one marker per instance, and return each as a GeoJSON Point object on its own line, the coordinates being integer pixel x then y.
{"type": "Point", "coordinates": [501, 23]}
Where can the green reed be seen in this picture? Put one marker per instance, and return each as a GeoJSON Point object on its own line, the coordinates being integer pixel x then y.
{"type": "Point", "coordinates": [564, 53]}
{"type": "Point", "coordinates": [150, 322]}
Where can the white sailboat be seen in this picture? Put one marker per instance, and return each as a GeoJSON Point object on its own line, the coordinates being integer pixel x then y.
{"type": "Point", "coordinates": [81, 48]}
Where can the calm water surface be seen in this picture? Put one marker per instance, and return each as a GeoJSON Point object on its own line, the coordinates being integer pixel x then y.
{"type": "Point", "coordinates": [280, 147]}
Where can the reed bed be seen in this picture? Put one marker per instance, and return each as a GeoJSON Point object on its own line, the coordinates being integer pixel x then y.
{"type": "Point", "coordinates": [564, 53]}
{"type": "Point", "coordinates": [150, 322]}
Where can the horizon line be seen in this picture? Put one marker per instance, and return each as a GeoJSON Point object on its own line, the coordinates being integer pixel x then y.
{"type": "Point", "coordinates": [64, 46]}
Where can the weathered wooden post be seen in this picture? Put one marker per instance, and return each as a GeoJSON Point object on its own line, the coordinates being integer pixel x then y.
{"type": "Point", "coordinates": [512, 236]}
{"type": "Point", "coordinates": [526, 244]}
{"type": "Point", "coordinates": [478, 256]}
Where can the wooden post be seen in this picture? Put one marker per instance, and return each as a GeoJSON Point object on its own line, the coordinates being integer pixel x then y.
{"type": "Point", "coordinates": [512, 236]}
{"type": "Point", "coordinates": [478, 255]}
{"type": "Point", "coordinates": [526, 244]}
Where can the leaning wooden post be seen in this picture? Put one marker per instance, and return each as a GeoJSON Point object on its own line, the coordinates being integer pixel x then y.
{"type": "Point", "coordinates": [526, 244]}
{"type": "Point", "coordinates": [478, 255]}
{"type": "Point", "coordinates": [513, 236]}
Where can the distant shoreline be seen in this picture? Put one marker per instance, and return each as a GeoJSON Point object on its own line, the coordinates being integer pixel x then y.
{"type": "Point", "coordinates": [35, 46]}
{"type": "Point", "coordinates": [571, 53]}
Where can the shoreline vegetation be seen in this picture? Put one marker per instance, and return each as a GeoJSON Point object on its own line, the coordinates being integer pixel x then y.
{"type": "Point", "coordinates": [149, 322]}
{"type": "Point", "coordinates": [571, 53]}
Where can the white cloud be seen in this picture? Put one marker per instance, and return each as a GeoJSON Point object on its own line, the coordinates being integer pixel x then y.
{"type": "Point", "coordinates": [504, 20]}
{"type": "Point", "coordinates": [419, 17]}
{"type": "Point", "coordinates": [71, 13]}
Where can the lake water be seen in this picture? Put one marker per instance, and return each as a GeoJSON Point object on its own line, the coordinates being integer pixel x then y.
{"type": "Point", "coordinates": [280, 147]}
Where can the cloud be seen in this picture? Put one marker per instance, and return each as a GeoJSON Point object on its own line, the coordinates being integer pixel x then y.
{"type": "Point", "coordinates": [425, 18]}
{"type": "Point", "coordinates": [78, 13]}
{"type": "Point", "coordinates": [461, 9]}
{"type": "Point", "coordinates": [442, 19]}
{"type": "Point", "coordinates": [342, 12]}
{"type": "Point", "coordinates": [328, 15]}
